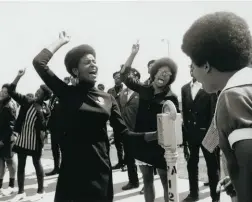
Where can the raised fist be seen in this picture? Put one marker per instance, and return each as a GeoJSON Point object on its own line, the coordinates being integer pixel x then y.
{"type": "Point", "coordinates": [21, 72]}
{"type": "Point", "coordinates": [135, 48]}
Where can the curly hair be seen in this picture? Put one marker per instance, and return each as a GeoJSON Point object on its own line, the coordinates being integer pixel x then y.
{"type": "Point", "coordinates": [73, 57]}
{"type": "Point", "coordinates": [161, 63]}
{"type": "Point", "coordinates": [222, 39]}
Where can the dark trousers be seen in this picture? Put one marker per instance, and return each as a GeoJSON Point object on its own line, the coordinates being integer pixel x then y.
{"type": "Point", "coordinates": [21, 172]}
{"type": "Point", "coordinates": [131, 165]}
{"type": "Point", "coordinates": [119, 148]}
{"type": "Point", "coordinates": [55, 146]}
{"type": "Point", "coordinates": [213, 169]}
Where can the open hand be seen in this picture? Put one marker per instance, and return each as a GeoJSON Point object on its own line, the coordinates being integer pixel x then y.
{"type": "Point", "coordinates": [64, 37]}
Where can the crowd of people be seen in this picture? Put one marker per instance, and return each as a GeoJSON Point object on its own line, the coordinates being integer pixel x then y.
{"type": "Point", "coordinates": [216, 112]}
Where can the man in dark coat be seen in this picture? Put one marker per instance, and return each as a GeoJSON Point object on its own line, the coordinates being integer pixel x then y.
{"type": "Point", "coordinates": [128, 104]}
{"type": "Point", "coordinates": [115, 92]}
{"type": "Point", "coordinates": [55, 126]}
{"type": "Point", "coordinates": [198, 110]}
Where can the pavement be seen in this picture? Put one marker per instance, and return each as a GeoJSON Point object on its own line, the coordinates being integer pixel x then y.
{"type": "Point", "coordinates": [119, 179]}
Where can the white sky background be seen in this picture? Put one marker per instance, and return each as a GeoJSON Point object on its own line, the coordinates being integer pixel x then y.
{"type": "Point", "coordinates": [110, 27]}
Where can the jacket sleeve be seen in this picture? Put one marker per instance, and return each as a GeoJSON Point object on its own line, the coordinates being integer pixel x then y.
{"type": "Point", "coordinates": [131, 82]}
{"type": "Point", "coordinates": [9, 122]}
{"type": "Point", "coordinates": [116, 120]}
{"type": "Point", "coordinates": [19, 98]}
{"type": "Point", "coordinates": [59, 88]}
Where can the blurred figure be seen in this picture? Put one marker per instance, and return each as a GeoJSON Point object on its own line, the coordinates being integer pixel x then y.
{"type": "Point", "coordinates": [101, 87]}
{"type": "Point", "coordinates": [55, 127]}
{"type": "Point", "coordinates": [149, 66]}
{"type": "Point", "coordinates": [7, 140]}
{"type": "Point", "coordinates": [30, 96]}
{"type": "Point", "coordinates": [198, 110]}
{"type": "Point", "coordinates": [115, 92]}
{"type": "Point", "coordinates": [128, 104]}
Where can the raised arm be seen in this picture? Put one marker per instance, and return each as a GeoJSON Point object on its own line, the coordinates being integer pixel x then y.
{"type": "Point", "coordinates": [131, 82]}
{"type": "Point", "coordinates": [19, 98]}
{"type": "Point", "coordinates": [40, 62]}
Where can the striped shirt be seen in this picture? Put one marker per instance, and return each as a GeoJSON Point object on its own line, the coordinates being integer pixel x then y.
{"type": "Point", "coordinates": [28, 138]}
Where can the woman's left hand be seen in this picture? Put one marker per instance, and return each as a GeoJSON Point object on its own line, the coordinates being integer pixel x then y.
{"type": "Point", "coordinates": [150, 136]}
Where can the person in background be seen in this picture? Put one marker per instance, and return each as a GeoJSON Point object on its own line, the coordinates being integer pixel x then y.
{"type": "Point", "coordinates": [101, 87]}
{"type": "Point", "coordinates": [149, 66]}
{"type": "Point", "coordinates": [198, 110]}
{"type": "Point", "coordinates": [151, 100]}
{"type": "Point", "coordinates": [115, 92]}
{"type": "Point", "coordinates": [31, 127]}
{"type": "Point", "coordinates": [7, 139]}
{"type": "Point", "coordinates": [55, 126]}
{"type": "Point", "coordinates": [220, 47]}
{"type": "Point", "coordinates": [30, 96]}
{"type": "Point", "coordinates": [128, 104]}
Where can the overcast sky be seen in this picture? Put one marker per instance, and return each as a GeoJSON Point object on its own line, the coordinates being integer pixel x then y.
{"type": "Point", "coordinates": [110, 27]}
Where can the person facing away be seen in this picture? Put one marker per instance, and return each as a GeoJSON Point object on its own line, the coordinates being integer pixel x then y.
{"type": "Point", "coordinates": [128, 104]}
{"type": "Point", "coordinates": [198, 110]}
{"type": "Point", "coordinates": [55, 128]}
{"type": "Point", "coordinates": [149, 66]}
{"type": "Point", "coordinates": [115, 92]}
{"type": "Point", "coordinates": [31, 127]}
{"type": "Point", "coordinates": [220, 47]}
{"type": "Point", "coordinates": [83, 103]}
{"type": "Point", "coordinates": [7, 139]}
{"type": "Point", "coordinates": [151, 100]}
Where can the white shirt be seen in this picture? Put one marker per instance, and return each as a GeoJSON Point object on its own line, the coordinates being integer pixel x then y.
{"type": "Point", "coordinates": [195, 87]}
{"type": "Point", "coordinates": [129, 93]}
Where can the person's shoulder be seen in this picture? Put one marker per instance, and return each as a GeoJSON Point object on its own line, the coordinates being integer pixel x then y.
{"type": "Point", "coordinates": [186, 85]}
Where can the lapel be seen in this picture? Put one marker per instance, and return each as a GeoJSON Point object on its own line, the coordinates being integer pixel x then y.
{"type": "Point", "coordinates": [188, 93]}
{"type": "Point", "coordinates": [131, 97]}
{"type": "Point", "coordinates": [198, 95]}
{"type": "Point", "coordinates": [123, 98]}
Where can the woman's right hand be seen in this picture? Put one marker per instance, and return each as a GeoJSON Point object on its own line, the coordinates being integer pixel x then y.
{"type": "Point", "coordinates": [64, 37]}
{"type": "Point", "coordinates": [135, 48]}
{"type": "Point", "coordinates": [21, 72]}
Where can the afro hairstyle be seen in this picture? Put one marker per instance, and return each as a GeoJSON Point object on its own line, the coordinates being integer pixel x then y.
{"type": "Point", "coordinates": [73, 57]}
{"type": "Point", "coordinates": [115, 73]}
{"type": "Point", "coordinates": [222, 39]}
{"type": "Point", "coordinates": [150, 62]}
{"type": "Point", "coordinates": [164, 62]}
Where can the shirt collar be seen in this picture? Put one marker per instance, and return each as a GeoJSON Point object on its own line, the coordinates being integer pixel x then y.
{"type": "Point", "coordinates": [196, 83]}
{"type": "Point", "coordinates": [240, 78]}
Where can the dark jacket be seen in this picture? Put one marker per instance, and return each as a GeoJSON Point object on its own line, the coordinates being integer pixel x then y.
{"type": "Point", "coordinates": [87, 111]}
{"type": "Point", "coordinates": [146, 121]}
{"type": "Point", "coordinates": [56, 112]}
{"type": "Point", "coordinates": [129, 108]}
{"type": "Point", "coordinates": [7, 121]}
{"type": "Point", "coordinates": [115, 92]}
{"type": "Point", "coordinates": [197, 114]}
